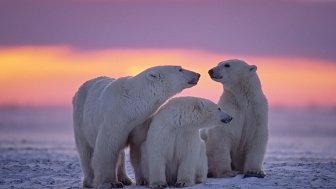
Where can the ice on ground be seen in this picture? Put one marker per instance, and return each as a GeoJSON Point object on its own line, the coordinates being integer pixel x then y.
{"type": "Point", "coordinates": [40, 153]}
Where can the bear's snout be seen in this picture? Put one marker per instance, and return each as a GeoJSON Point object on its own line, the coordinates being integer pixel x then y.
{"type": "Point", "coordinates": [198, 76]}
{"type": "Point", "coordinates": [211, 72]}
{"type": "Point", "coordinates": [214, 75]}
{"type": "Point", "coordinates": [227, 120]}
{"type": "Point", "coordinates": [195, 80]}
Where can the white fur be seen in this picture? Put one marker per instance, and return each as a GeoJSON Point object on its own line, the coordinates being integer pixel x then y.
{"type": "Point", "coordinates": [173, 152]}
{"type": "Point", "coordinates": [242, 145]}
{"type": "Point", "coordinates": [106, 110]}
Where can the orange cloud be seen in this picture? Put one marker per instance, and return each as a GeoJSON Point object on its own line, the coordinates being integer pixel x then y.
{"type": "Point", "coordinates": [51, 75]}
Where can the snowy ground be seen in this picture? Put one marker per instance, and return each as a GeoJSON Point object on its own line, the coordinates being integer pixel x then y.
{"type": "Point", "coordinates": [301, 153]}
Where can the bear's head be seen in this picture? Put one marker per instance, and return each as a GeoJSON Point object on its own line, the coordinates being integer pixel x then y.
{"type": "Point", "coordinates": [196, 113]}
{"type": "Point", "coordinates": [173, 79]}
{"type": "Point", "coordinates": [232, 72]}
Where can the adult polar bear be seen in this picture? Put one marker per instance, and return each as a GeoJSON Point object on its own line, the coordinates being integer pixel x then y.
{"type": "Point", "coordinates": [106, 110]}
{"type": "Point", "coordinates": [242, 145]}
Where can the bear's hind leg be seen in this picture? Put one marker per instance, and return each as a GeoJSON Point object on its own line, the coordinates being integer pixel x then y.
{"type": "Point", "coordinates": [85, 155]}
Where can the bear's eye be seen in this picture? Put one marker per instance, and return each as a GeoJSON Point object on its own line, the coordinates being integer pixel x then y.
{"type": "Point", "coordinates": [227, 65]}
{"type": "Point", "coordinates": [219, 109]}
{"type": "Point", "coordinates": [180, 70]}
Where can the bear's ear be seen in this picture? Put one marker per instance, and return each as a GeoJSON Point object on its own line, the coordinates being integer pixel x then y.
{"type": "Point", "coordinates": [253, 68]}
{"type": "Point", "coordinates": [152, 75]}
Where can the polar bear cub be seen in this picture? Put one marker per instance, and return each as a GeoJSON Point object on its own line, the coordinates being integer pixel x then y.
{"type": "Point", "coordinates": [242, 145]}
{"type": "Point", "coordinates": [106, 110]}
{"type": "Point", "coordinates": [173, 153]}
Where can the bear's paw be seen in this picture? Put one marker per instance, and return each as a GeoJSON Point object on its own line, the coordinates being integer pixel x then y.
{"type": "Point", "coordinates": [87, 183]}
{"type": "Point", "coordinates": [125, 181]}
{"type": "Point", "coordinates": [141, 182]}
{"type": "Point", "coordinates": [110, 185]}
{"type": "Point", "coordinates": [182, 183]}
{"type": "Point", "coordinates": [158, 185]}
{"type": "Point", "coordinates": [228, 174]}
{"type": "Point", "coordinates": [254, 173]}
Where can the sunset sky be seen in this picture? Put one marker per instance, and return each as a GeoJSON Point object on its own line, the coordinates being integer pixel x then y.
{"type": "Point", "coordinates": [48, 48]}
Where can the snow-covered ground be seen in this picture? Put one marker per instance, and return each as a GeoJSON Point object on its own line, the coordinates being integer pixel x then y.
{"type": "Point", "coordinates": [37, 151]}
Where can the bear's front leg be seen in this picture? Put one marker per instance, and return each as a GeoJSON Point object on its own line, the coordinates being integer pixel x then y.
{"type": "Point", "coordinates": [157, 177]}
{"type": "Point", "coordinates": [157, 172]}
{"type": "Point", "coordinates": [253, 168]}
{"type": "Point", "coordinates": [104, 165]}
{"type": "Point", "coordinates": [105, 159]}
{"type": "Point", "coordinates": [254, 160]}
{"type": "Point", "coordinates": [219, 163]}
{"type": "Point", "coordinates": [202, 167]}
{"type": "Point", "coordinates": [186, 172]}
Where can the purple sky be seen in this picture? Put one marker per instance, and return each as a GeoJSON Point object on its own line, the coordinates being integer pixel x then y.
{"type": "Point", "coordinates": [300, 28]}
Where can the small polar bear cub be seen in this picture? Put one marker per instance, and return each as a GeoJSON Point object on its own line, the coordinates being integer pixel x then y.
{"type": "Point", "coordinates": [173, 153]}
{"type": "Point", "coordinates": [106, 110]}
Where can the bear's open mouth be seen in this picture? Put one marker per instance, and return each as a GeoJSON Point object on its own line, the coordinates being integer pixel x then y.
{"type": "Point", "coordinates": [216, 77]}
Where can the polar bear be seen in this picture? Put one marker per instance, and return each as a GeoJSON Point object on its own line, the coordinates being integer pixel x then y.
{"type": "Point", "coordinates": [173, 153]}
{"type": "Point", "coordinates": [241, 146]}
{"type": "Point", "coordinates": [105, 111]}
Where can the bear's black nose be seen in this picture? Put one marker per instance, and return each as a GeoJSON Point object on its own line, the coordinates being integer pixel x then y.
{"type": "Point", "coordinates": [227, 120]}
{"type": "Point", "coordinates": [211, 72]}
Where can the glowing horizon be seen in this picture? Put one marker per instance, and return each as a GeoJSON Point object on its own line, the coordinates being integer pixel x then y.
{"type": "Point", "coordinates": [50, 75]}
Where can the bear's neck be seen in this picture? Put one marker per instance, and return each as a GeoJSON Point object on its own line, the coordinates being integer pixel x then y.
{"type": "Point", "coordinates": [149, 94]}
{"type": "Point", "coordinates": [246, 93]}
